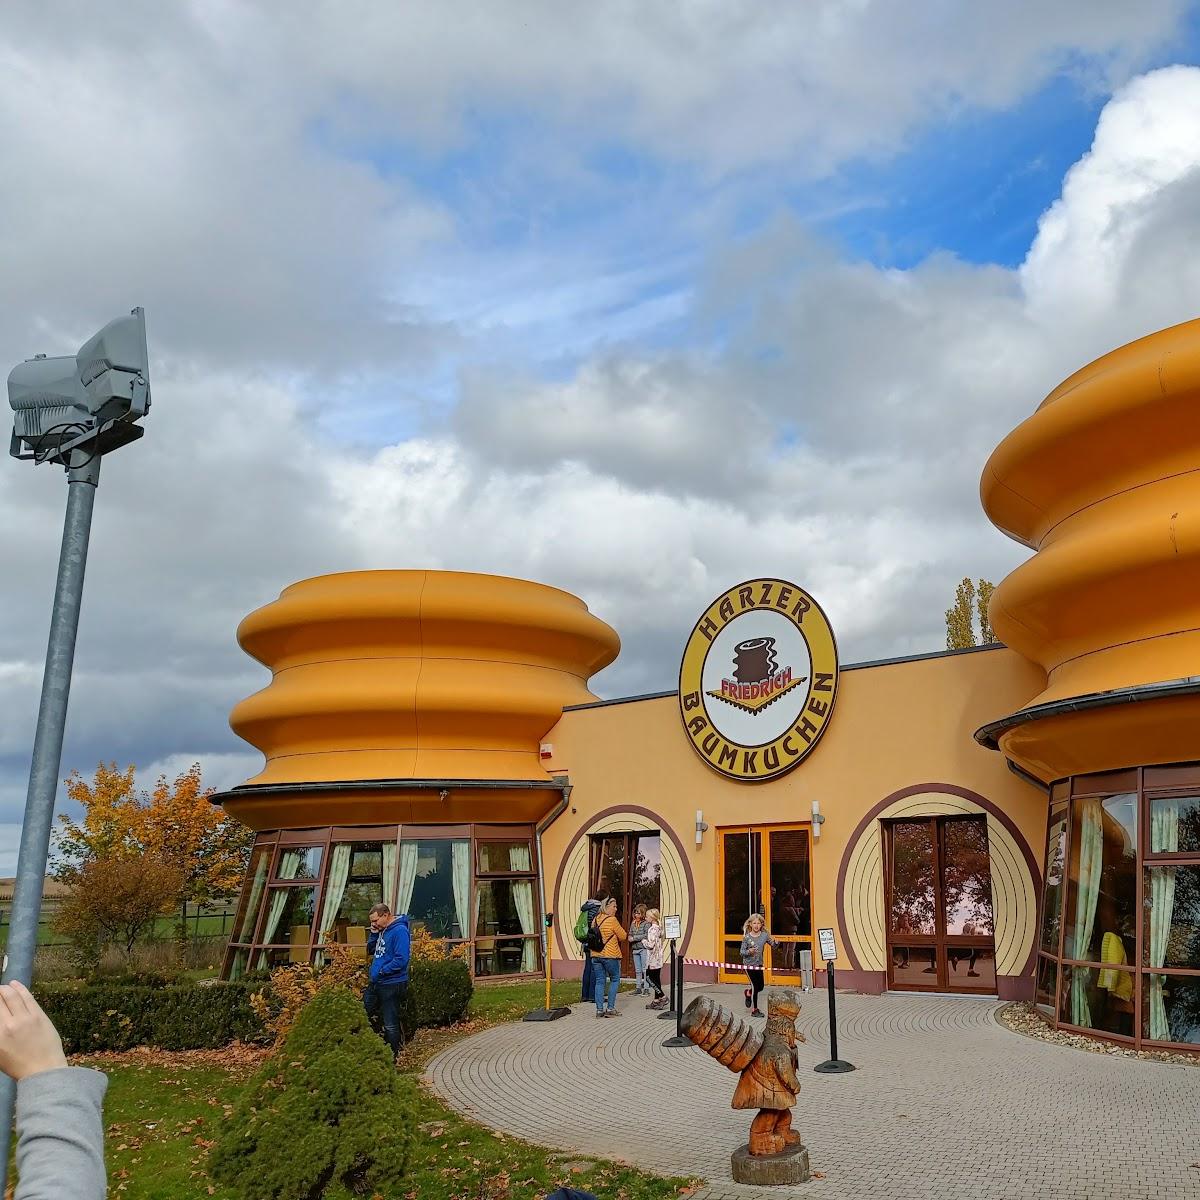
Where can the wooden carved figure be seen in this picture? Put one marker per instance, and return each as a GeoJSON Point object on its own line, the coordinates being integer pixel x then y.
{"type": "Point", "coordinates": [767, 1063]}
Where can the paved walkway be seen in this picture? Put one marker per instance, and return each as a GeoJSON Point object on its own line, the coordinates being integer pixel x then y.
{"type": "Point", "coordinates": [946, 1103]}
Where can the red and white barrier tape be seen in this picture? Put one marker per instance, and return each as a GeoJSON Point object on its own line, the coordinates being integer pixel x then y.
{"type": "Point", "coordinates": [708, 962]}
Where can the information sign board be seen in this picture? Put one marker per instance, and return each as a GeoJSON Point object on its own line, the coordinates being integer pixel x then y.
{"type": "Point", "coordinates": [828, 945]}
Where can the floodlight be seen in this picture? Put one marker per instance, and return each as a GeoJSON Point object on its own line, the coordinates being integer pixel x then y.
{"type": "Point", "coordinates": [70, 411]}
{"type": "Point", "coordinates": [91, 401]}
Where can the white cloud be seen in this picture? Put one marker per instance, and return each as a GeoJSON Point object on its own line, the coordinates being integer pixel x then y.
{"type": "Point", "coordinates": [234, 177]}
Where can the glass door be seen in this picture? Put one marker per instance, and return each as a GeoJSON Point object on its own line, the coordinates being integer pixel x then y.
{"type": "Point", "coordinates": [939, 905]}
{"type": "Point", "coordinates": [628, 867]}
{"type": "Point", "coordinates": [790, 916]}
{"type": "Point", "coordinates": [767, 870]}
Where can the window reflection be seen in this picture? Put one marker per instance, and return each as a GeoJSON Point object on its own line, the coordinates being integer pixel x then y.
{"type": "Point", "coordinates": [967, 879]}
{"type": "Point", "coordinates": [1100, 999]}
{"type": "Point", "coordinates": [1056, 852]}
{"type": "Point", "coordinates": [1047, 983]}
{"type": "Point", "coordinates": [256, 878]}
{"type": "Point", "coordinates": [915, 966]}
{"type": "Point", "coordinates": [299, 862]}
{"type": "Point", "coordinates": [1171, 935]}
{"type": "Point", "coordinates": [1175, 825]}
{"type": "Point", "coordinates": [435, 886]}
{"type": "Point", "coordinates": [1179, 998]}
{"type": "Point", "coordinates": [914, 908]}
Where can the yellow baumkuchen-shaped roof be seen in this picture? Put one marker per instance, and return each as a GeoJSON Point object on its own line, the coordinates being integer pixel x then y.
{"type": "Point", "coordinates": [1103, 481]}
{"type": "Point", "coordinates": [417, 675]}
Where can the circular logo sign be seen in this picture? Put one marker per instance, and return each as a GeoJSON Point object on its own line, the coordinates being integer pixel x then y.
{"type": "Point", "coordinates": [758, 680]}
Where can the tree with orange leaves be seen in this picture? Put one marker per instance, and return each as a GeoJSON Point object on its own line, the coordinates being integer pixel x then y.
{"type": "Point", "coordinates": [175, 824]}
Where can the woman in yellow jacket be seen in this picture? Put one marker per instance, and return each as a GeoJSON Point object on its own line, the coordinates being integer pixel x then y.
{"type": "Point", "coordinates": [606, 962]}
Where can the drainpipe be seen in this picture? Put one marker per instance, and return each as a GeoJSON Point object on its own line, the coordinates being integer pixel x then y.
{"type": "Point", "coordinates": [544, 824]}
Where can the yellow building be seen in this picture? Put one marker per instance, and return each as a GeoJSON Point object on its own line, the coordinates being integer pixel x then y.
{"type": "Point", "coordinates": [1015, 820]}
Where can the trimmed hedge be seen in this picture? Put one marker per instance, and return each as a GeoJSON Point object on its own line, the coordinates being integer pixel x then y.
{"type": "Point", "coordinates": [438, 993]}
{"type": "Point", "coordinates": [112, 1015]}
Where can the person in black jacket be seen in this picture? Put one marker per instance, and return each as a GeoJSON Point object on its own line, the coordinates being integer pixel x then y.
{"type": "Point", "coordinates": [591, 907]}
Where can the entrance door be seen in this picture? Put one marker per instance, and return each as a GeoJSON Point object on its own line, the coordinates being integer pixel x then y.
{"type": "Point", "coordinates": [767, 869]}
{"type": "Point", "coordinates": [628, 867]}
{"type": "Point", "coordinates": [939, 905]}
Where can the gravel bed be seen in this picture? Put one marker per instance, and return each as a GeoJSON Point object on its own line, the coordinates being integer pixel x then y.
{"type": "Point", "coordinates": [1026, 1019]}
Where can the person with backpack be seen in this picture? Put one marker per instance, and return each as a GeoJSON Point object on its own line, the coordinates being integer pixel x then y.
{"type": "Point", "coordinates": [587, 912]}
{"type": "Point", "coordinates": [637, 947]}
{"type": "Point", "coordinates": [605, 936]}
{"type": "Point", "coordinates": [654, 945]}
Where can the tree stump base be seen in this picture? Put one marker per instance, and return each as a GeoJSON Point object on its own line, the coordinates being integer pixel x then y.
{"type": "Point", "coordinates": [790, 1166]}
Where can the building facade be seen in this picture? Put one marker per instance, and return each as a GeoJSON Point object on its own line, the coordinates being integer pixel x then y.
{"type": "Point", "coordinates": [1019, 820]}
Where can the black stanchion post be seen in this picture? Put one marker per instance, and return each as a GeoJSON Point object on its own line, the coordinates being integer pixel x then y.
{"type": "Point", "coordinates": [678, 1039]}
{"type": "Point", "coordinates": [833, 1065]}
{"type": "Point", "coordinates": [669, 1013]}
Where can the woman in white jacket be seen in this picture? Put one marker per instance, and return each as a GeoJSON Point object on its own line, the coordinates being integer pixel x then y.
{"type": "Point", "coordinates": [654, 944]}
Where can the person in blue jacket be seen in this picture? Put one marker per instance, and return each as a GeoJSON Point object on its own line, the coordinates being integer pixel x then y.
{"type": "Point", "coordinates": [389, 947]}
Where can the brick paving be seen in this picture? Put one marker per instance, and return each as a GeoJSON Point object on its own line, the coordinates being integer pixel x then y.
{"type": "Point", "coordinates": [946, 1103]}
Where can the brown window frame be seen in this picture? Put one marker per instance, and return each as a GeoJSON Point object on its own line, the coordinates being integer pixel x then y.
{"type": "Point", "coordinates": [326, 838]}
{"type": "Point", "coordinates": [1107, 784]}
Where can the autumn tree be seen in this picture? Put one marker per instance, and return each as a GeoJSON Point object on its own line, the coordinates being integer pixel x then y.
{"type": "Point", "coordinates": [970, 604]}
{"type": "Point", "coordinates": [116, 899]}
{"type": "Point", "coordinates": [175, 824]}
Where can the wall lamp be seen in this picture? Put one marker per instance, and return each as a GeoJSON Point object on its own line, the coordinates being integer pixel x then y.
{"type": "Point", "coordinates": [701, 827]}
{"type": "Point", "coordinates": [817, 820]}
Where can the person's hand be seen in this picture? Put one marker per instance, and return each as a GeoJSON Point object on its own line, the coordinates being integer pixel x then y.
{"type": "Point", "coordinates": [29, 1043]}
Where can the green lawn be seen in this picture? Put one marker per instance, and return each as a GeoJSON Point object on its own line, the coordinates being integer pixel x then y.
{"type": "Point", "coordinates": [162, 1119]}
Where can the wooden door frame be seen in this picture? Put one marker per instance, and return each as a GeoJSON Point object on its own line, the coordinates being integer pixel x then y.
{"type": "Point", "coordinates": [764, 831]}
{"type": "Point", "coordinates": [940, 941]}
{"type": "Point", "coordinates": [625, 900]}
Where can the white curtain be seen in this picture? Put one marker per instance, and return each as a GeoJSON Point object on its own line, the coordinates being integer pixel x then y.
{"type": "Point", "coordinates": [245, 932]}
{"type": "Point", "coordinates": [1091, 865]}
{"type": "Point", "coordinates": [289, 864]}
{"type": "Point", "coordinates": [522, 891]}
{"type": "Point", "coordinates": [388, 883]}
{"type": "Point", "coordinates": [518, 858]}
{"type": "Point", "coordinates": [408, 876]}
{"type": "Point", "coordinates": [460, 862]}
{"type": "Point", "coordinates": [335, 889]}
{"type": "Point", "coordinates": [1164, 839]}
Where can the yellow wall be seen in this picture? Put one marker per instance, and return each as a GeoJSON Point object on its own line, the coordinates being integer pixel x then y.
{"type": "Point", "coordinates": [896, 726]}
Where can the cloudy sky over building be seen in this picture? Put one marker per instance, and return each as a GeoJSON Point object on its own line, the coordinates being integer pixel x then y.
{"type": "Point", "coordinates": [638, 300]}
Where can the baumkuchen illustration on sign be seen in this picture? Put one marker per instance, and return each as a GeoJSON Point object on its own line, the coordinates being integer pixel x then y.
{"type": "Point", "coordinates": [758, 679]}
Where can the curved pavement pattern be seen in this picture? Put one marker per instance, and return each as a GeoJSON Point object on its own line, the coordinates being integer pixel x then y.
{"type": "Point", "coordinates": [946, 1103]}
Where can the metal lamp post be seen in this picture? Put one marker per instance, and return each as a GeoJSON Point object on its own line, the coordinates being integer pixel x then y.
{"type": "Point", "coordinates": [69, 411]}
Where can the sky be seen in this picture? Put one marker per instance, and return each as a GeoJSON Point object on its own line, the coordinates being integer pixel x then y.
{"type": "Point", "coordinates": [639, 300]}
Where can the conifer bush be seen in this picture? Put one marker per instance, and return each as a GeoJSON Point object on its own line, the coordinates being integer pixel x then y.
{"type": "Point", "coordinates": [325, 1110]}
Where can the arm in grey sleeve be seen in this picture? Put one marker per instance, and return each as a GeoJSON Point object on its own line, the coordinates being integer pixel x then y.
{"type": "Point", "coordinates": [60, 1135]}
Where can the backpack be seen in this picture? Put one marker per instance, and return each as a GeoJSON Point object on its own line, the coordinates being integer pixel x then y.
{"type": "Point", "coordinates": [581, 926]}
{"type": "Point", "coordinates": [595, 939]}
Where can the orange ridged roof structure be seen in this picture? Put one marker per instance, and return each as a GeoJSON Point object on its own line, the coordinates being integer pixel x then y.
{"type": "Point", "coordinates": [1103, 482]}
{"type": "Point", "coordinates": [393, 679]}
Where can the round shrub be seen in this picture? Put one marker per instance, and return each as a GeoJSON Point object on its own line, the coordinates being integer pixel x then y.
{"type": "Point", "coordinates": [325, 1109]}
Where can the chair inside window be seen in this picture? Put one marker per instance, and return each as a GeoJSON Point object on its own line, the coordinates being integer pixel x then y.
{"type": "Point", "coordinates": [485, 956]}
